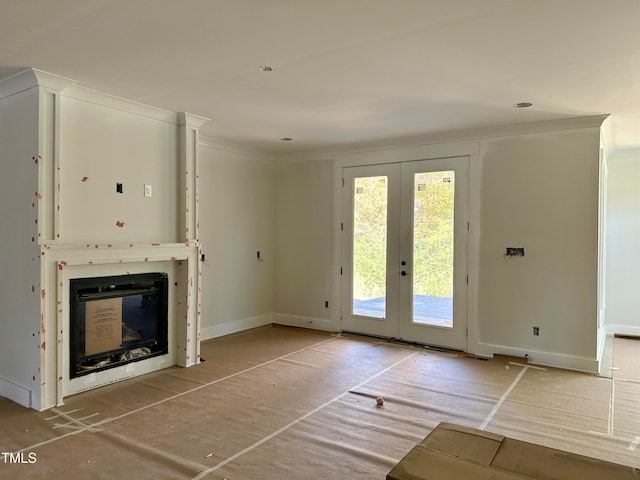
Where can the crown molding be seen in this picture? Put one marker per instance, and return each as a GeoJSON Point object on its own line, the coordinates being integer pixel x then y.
{"type": "Point", "coordinates": [32, 77]}
{"type": "Point", "coordinates": [446, 137]}
{"type": "Point", "coordinates": [88, 95]}
{"type": "Point", "coordinates": [630, 154]}
{"type": "Point", "coordinates": [234, 148]}
{"type": "Point", "coordinates": [191, 120]}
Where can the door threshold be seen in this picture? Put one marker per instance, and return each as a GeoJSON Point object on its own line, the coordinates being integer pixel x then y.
{"type": "Point", "coordinates": [400, 342]}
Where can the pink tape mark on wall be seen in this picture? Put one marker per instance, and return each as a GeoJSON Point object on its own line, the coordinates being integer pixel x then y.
{"type": "Point", "coordinates": [84, 179]}
{"type": "Point", "coordinates": [43, 293]}
{"type": "Point", "coordinates": [119, 224]}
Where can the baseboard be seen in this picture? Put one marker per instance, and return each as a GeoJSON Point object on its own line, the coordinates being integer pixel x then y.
{"type": "Point", "coordinates": [306, 322]}
{"type": "Point", "coordinates": [569, 362]}
{"type": "Point", "coordinates": [207, 333]}
{"type": "Point", "coordinates": [14, 392]}
{"type": "Point", "coordinates": [614, 329]}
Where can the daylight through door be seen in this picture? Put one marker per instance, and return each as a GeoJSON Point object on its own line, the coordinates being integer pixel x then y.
{"type": "Point", "coordinates": [405, 229]}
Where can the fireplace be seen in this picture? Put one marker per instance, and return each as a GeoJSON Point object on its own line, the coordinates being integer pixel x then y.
{"type": "Point", "coordinates": [116, 320]}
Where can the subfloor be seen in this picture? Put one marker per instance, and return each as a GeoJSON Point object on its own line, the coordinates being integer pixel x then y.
{"type": "Point", "coordinates": [288, 403]}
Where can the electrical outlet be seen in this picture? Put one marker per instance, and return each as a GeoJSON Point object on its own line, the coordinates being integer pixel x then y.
{"type": "Point", "coordinates": [536, 331]}
{"type": "Point", "coordinates": [515, 252]}
{"type": "Point", "coordinates": [148, 190]}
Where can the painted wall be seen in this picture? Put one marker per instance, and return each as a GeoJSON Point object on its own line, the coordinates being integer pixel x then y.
{"type": "Point", "coordinates": [20, 279]}
{"type": "Point", "coordinates": [305, 272]}
{"type": "Point", "coordinates": [540, 192]}
{"type": "Point", "coordinates": [533, 190]}
{"type": "Point", "coordinates": [102, 146]}
{"type": "Point", "coordinates": [623, 258]}
{"type": "Point", "coordinates": [236, 222]}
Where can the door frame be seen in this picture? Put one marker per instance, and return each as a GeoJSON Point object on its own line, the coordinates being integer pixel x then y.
{"type": "Point", "coordinates": [405, 153]}
{"type": "Point", "coordinates": [398, 322]}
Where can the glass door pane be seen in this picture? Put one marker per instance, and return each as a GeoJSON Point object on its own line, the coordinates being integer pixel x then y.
{"type": "Point", "coordinates": [370, 246]}
{"type": "Point", "coordinates": [433, 252]}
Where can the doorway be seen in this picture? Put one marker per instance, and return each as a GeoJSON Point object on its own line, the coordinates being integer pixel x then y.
{"type": "Point", "coordinates": [404, 251]}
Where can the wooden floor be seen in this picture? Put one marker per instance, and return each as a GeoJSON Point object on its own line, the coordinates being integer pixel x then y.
{"type": "Point", "coordinates": [287, 403]}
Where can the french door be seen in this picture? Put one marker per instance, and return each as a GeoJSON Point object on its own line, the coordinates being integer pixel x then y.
{"type": "Point", "coordinates": [404, 251]}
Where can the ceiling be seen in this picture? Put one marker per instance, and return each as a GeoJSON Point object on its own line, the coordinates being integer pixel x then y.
{"type": "Point", "coordinates": [344, 71]}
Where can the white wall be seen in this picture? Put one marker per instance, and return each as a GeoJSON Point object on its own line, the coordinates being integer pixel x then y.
{"type": "Point", "coordinates": [533, 190]}
{"type": "Point", "coordinates": [623, 257]}
{"type": "Point", "coordinates": [304, 244]}
{"type": "Point", "coordinates": [236, 221]}
{"type": "Point", "coordinates": [540, 192]}
{"type": "Point", "coordinates": [102, 146]}
{"type": "Point", "coordinates": [20, 279]}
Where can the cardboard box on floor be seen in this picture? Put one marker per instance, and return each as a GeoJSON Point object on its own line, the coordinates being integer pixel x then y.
{"type": "Point", "coordinates": [454, 451]}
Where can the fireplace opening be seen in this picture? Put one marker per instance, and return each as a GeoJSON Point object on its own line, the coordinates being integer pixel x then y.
{"type": "Point", "coordinates": [117, 320]}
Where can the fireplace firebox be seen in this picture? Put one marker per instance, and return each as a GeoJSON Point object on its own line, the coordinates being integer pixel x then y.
{"type": "Point", "coordinates": [116, 320]}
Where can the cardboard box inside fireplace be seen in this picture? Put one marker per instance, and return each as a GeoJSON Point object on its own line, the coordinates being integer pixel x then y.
{"type": "Point", "coordinates": [453, 451]}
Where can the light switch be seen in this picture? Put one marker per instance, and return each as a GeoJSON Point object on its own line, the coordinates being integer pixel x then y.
{"type": "Point", "coordinates": [148, 190]}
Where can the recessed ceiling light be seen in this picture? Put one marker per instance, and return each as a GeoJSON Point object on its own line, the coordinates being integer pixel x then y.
{"type": "Point", "coordinates": [523, 105]}
{"type": "Point", "coordinates": [265, 68]}
{"type": "Point", "coordinates": [286, 139]}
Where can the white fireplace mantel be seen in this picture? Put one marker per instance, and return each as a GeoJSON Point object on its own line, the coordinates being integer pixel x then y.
{"type": "Point", "coordinates": [64, 262]}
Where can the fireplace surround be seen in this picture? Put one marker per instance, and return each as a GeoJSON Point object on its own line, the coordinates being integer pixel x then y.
{"type": "Point", "coordinates": [181, 265]}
